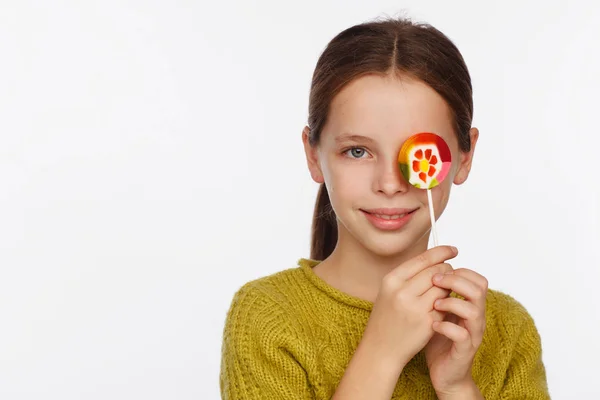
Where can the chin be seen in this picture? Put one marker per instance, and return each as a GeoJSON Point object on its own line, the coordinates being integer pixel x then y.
{"type": "Point", "coordinates": [387, 248]}
{"type": "Point", "coordinates": [384, 244]}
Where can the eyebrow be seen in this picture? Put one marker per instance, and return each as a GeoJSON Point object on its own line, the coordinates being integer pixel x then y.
{"type": "Point", "coordinates": [347, 137]}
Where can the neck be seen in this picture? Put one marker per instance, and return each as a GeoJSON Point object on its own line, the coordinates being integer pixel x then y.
{"type": "Point", "coordinates": [359, 271]}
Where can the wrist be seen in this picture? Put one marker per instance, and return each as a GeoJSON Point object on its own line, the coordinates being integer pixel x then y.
{"type": "Point", "coordinates": [390, 363]}
{"type": "Point", "coordinates": [370, 374]}
{"type": "Point", "coordinates": [465, 391]}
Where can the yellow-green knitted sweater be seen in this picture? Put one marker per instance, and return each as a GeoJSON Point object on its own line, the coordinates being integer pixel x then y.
{"type": "Point", "coordinates": [290, 335]}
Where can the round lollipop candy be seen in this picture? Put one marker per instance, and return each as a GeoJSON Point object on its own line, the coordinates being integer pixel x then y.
{"type": "Point", "coordinates": [425, 161]}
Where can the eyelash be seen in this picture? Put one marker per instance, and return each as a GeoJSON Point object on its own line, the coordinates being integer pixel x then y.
{"type": "Point", "coordinates": [355, 147]}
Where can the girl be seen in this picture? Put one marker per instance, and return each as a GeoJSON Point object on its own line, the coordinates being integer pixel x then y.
{"type": "Point", "coordinates": [373, 314]}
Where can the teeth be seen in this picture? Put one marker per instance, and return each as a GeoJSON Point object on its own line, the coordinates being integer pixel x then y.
{"type": "Point", "coordinates": [389, 216]}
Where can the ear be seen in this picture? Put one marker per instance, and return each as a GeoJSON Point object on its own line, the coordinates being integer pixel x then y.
{"type": "Point", "coordinates": [466, 159]}
{"type": "Point", "coordinates": [312, 158]}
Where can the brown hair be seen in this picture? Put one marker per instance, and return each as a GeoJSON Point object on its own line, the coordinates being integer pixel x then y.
{"type": "Point", "coordinates": [382, 47]}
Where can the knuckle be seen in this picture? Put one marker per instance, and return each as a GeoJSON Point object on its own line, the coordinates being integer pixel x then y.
{"type": "Point", "coordinates": [446, 267]}
{"type": "Point", "coordinates": [440, 269]}
{"type": "Point", "coordinates": [400, 298]}
{"type": "Point", "coordinates": [388, 291]}
{"type": "Point", "coordinates": [422, 258]}
{"type": "Point", "coordinates": [388, 282]}
{"type": "Point", "coordinates": [480, 294]}
{"type": "Point", "coordinates": [437, 316]}
{"type": "Point", "coordinates": [485, 283]}
{"type": "Point", "coordinates": [472, 314]}
{"type": "Point", "coordinates": [388, 287]}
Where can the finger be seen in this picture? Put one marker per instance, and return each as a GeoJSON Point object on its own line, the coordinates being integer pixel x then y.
{"type": "Point", "coordinates": [459, 335]}
{"type": "Point", "coordinates": [473, 317]}
{"type": "Point", "coordinates": [479, 279]}
{"type": "Point", "coordinates": [433, 256]}
{"type": "Point", "coordinates": [434, 293]}
{"type": "Point", "coordinates": [422, 282]}
{"type": "Point", "coordinates": [463, 286]}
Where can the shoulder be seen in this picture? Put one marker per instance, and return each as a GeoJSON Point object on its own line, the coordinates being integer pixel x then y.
{"type": "Point", "coordinates": [260, 303]}
{"type": "Point", "coordinates": [505, 308]}
{"type": "Point", "coordinates": [258, 323]}
{"type": "Point", "coordinates": [508, 321]}
{"type": "Point", "coordinates": [267, 290]}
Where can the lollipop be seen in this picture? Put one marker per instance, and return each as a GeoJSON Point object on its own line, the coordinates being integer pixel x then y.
{"type": "Point", "coordinates": [425, 160]}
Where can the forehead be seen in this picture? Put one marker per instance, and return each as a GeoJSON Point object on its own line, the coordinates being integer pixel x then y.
{"type": "Point", "coordinates": [389, 109]}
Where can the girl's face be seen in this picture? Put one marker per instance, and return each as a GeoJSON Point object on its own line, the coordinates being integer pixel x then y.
{"type": "Point", "coordinates": [368, 122]}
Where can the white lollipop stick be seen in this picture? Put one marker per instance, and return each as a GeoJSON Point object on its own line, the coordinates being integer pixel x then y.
{"type": "Point", "coordinates": [432, 215]}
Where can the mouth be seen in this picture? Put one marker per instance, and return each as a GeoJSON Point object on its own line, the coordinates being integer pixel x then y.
{"type": "Point", "coordinates": [389, 218]}
{"type": "Point", "coordinates": [390, 213]}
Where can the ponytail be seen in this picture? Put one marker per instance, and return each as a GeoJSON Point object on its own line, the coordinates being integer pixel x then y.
{"type": "Point", "coordinates": [324, 227]}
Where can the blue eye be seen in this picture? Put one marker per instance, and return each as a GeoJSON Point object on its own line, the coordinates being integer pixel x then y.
{"type": "Point", "coordinates": [356, 152]}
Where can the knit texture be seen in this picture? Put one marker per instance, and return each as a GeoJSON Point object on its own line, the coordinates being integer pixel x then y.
{"type": "Point", "coordinates": [291, 335]}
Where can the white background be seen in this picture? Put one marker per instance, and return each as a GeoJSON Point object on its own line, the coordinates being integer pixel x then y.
{"type": "Point", "coordinates": [151, 164]}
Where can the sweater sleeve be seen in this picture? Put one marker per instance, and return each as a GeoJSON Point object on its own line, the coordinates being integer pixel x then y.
{"type": "Point", "coordinates": [256, 362]}
{"type": "Point", "coordinates": [526, 375]}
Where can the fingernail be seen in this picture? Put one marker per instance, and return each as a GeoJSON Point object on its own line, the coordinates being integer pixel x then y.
{"type": "Point", "coordinates": [438, 277]}
{"type": "Point", "coordinates": [455, 250]}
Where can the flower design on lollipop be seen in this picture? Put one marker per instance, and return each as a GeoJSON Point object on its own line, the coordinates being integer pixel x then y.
{"type": "Point", "coordinates": [425, 164]}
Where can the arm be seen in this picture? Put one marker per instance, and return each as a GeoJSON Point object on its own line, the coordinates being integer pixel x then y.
{"type": "Point", "coordinates": [255, 363]}
{"type": "Point", "coordinates": [369, 375]}
{"type": "Point", "coordinates": [526, 375]}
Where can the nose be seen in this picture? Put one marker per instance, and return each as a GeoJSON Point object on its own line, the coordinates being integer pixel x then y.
{"type": "Point", "coordinates": [389, 179]}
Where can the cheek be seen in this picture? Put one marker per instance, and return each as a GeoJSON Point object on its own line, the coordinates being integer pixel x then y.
{"type": "Point", "coordinates": [419, 194]}
{"type": "Point", "coordinates": [443, 193]}
{"type": "Point", "coordinates": [346, 183]}
{"type": "Point", "coordinates": [342, 173]}
{"type": "Point", "coordinates": [342, 186]}
{"type": "Point", "coordinates": [456, 166]}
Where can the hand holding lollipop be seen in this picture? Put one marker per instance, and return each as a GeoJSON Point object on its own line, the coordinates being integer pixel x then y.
{"type": "Point", "coordinates": [425, 161]}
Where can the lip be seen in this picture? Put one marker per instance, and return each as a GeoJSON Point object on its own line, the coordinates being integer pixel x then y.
{"type": "Point", "coordinates": [388, 224]}
{"type": "Point", "coordinates": [389, 211]}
